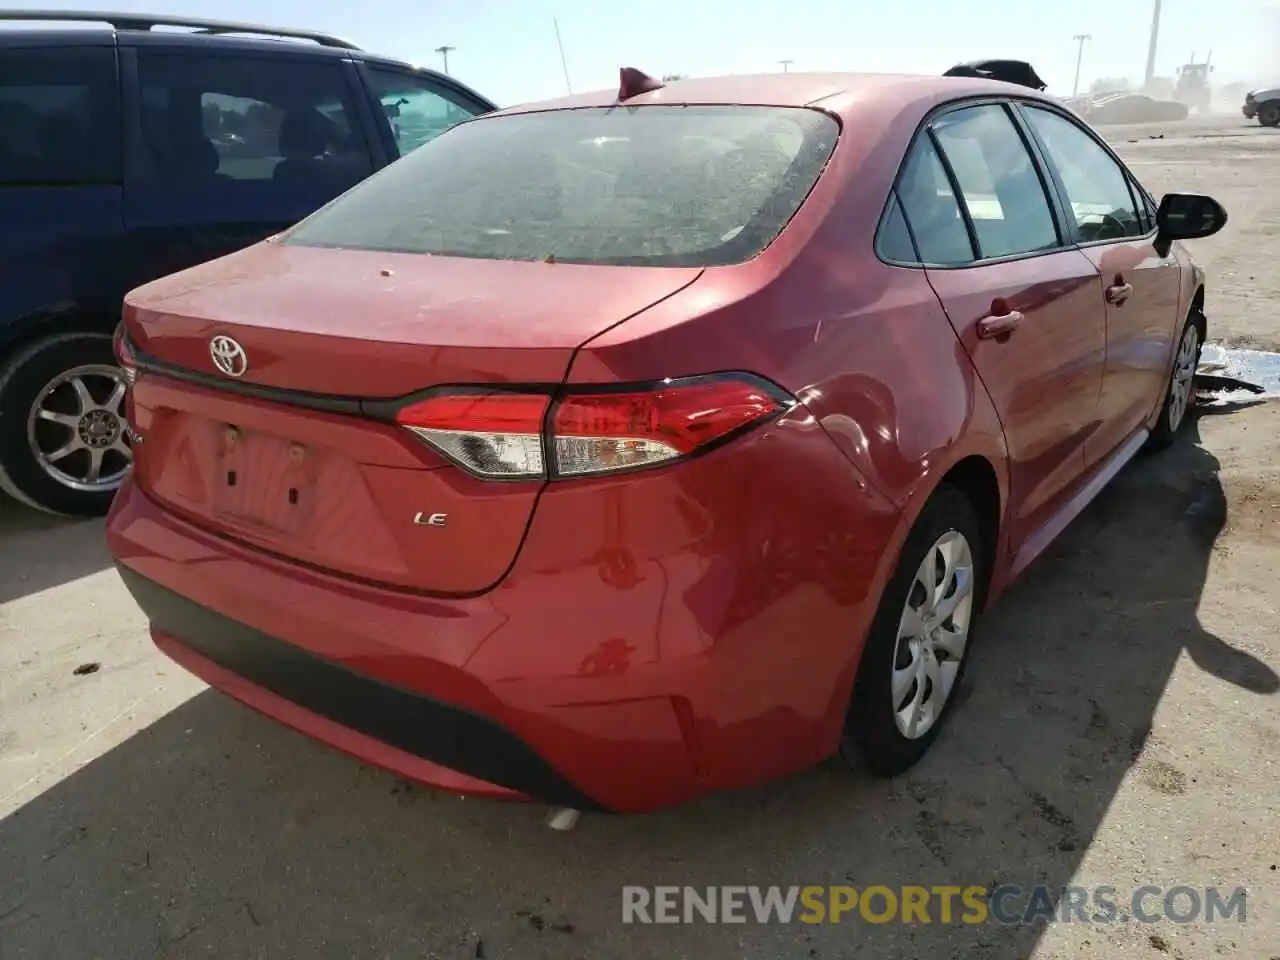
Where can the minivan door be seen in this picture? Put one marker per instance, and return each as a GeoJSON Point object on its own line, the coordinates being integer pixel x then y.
{"type": "Point", "coordinates": [60, 204]}
{"type": "Point", "coordinates": [228, 148]}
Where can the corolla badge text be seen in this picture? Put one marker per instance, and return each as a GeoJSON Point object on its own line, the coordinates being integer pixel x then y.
{"type": "Point", "coordinates": [430, 519]}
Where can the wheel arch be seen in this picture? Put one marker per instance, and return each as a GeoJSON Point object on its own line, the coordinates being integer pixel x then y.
{"type": "Point", "coordinates": [982, 476]}
{"type": "Point", "coordinates": [21, 332]}
{"type": "Point", "coordinates": [976, 478]}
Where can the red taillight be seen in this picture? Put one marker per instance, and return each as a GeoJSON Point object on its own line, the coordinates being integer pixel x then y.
{"type": "Point", "coordinates": [590, 431]}
{"type": "Point", "coordinates": [491, 434]}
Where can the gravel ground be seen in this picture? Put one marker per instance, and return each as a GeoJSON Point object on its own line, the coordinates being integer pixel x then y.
{"type": "Point", "coordinates": [1120, 728]}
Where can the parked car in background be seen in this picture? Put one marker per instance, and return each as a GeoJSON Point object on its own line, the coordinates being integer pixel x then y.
{"type": "Point", "coordinates": [128, 153]}
{"type": "Point", "coordinates": [610, 457]}
{"type": "Point", "coordinates": [1133, 108]}
{"type": "Point", "coordinates": [1263, 104]}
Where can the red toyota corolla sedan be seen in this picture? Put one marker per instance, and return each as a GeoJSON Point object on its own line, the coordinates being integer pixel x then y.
{"type": "Point", "coordinates": [616, 450]}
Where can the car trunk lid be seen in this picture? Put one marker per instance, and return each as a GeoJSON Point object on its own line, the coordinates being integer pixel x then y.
{"type": "Point", "coordinates": [285, 455]}
{"type": "Point", "coordinates": [367, 324]}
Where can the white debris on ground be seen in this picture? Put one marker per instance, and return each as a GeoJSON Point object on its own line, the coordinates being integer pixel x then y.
{"type": "Point", "coordinates": [1252, 366]}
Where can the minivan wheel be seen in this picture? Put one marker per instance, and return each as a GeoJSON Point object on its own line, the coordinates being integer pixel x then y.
{"type": "Point", "coordinates": [915, 655]}
{"type": "Point", "coordinates": [64, 448]}
{"type": "Point", "coordinates": [1269, 114]}
{"type": "Point", "coordinates": [1180, 394]}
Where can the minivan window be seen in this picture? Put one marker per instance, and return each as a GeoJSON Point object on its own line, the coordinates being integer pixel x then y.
{"type": "Point", "coordinates": [657, 185]}
{"type": "Point", "coordinates": [228, 119]}
{"type": "Point", "coordinates": [1000, 186]}
{"type": "Point", "coordinates": [416, 108]}
{"type": "Point", "coordinates": [59, 117]}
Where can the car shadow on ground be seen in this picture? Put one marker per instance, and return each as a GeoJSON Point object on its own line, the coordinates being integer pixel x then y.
{"type": "Point", "coordinates": [39, 551]}
{"type": "Point", "coordinates": [217, 833]}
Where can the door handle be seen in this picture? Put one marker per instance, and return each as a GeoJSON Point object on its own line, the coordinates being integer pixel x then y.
{"type": "Point", "coordinates": [1118, 293]}
{"type": "Point", "coordinates": [998, 326]}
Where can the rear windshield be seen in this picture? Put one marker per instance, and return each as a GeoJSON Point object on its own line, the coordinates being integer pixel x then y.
{"type": "Point", "coordinates": [657, 185]}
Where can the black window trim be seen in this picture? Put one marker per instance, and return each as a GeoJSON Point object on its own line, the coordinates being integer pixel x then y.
{"type": "Point", "coordinates": [1131, 181]}
{"type": "Point", "coordinates": [896, 201]}
{"type": "Point", "coordinates": [948, 171]}
{"type": "Point", "coordinates": [1149, 204]}
{"type": "Point", "coordinates": [123, 106]}
{"type": "Point", "coordinates": [1054, 189]}
{"type": "Point", "coordinates": [368, 115]}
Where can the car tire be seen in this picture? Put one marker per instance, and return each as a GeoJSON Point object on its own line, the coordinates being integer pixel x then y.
{"type": "Point", "coordinates": [1269, 114]}
{"type": "Point", "coordinates": [878, 735]}
{"type": "Point", "coordinates": [1180, 393]}
{"type": "Point", "coordinates": [47, 376]}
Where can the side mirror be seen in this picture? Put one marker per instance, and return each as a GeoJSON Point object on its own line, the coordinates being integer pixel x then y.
{"type": "Point", "coordinates": [1187, 216]}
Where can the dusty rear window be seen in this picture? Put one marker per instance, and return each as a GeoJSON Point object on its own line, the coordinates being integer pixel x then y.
{"type": "Point", "coordinates": [659, 186]}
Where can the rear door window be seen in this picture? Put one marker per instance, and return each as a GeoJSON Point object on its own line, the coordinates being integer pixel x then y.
{"type": "Point", "coordinates": [59, 117]}
{"type": "Point", "coordinates": [660, 186]}
{"type": "Point", "coordinates": [282, 120]}
{"type": "Point", "coordinates": [1000, 186]}
{"type": "Point", "coordinates": [417, 108]}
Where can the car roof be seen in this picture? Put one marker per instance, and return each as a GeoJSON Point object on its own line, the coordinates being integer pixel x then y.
{"type": "Point", "coordinates": [836, 92]}
{"type": "Point", "coordinates": [26, 37]}
{"type": "Point", "coordinates": [105, 36]}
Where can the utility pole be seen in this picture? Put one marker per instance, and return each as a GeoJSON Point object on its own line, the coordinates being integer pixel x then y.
{"type": "Point", "coordinates": [1080, 39]}
{"type": "Point", "coordinates": [444, 52]}
{"type": "Point", "coordinates": [1151, 49]}
{"type": "Point", "coordinates": [786, 64]}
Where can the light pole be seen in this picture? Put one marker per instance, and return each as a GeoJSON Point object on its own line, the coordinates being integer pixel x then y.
{"type": "Point", "coordinates": [786, 64]}
{"type": "Point", "coordinates": [444, 52]}
{"type": "Point", "coordinates": [1080, 39]}
{"type": "Point", "coordinates": [1152, 44]}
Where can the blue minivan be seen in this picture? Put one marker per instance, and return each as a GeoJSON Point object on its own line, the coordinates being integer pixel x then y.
{"type": "Point", "coordinates": [131, 151]}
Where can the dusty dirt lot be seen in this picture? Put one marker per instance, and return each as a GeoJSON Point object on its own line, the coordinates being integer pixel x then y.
{"type": "Point", "coordinates": [1121, 728]}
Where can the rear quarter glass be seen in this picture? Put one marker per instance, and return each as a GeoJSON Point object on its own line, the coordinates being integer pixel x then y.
{"type": "Point", "coordinates": [647, 186]}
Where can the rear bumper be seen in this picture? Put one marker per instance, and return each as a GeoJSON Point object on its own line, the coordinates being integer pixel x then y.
{"type": "Point", "coordinates": [404, 730]}
{"type": "Point", "coordinates": [654, 640]}
{"type": "Point", "coordinates": [1249, 110]}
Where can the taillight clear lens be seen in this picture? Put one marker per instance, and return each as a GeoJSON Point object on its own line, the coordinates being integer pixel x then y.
{"type": "Point", "coordinates": [501, 435]}
{"type": "Point", "coordinates": [497, 435]}
{"type": "Point", "coordinates": [599, 433]}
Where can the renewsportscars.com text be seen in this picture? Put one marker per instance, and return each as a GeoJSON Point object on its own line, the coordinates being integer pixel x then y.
{"type": "Point", "coordinates": [971, 904]}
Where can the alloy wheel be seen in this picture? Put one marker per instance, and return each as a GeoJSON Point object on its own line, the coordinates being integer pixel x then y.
{"type": "Point", "coordinates": [76, 429]}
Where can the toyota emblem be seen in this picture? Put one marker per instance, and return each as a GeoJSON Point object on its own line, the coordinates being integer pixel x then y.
{"type": "Point", "coordinates": [228, 356]}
